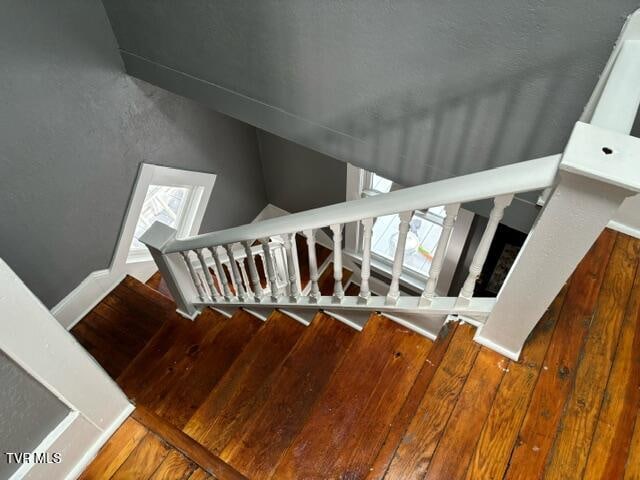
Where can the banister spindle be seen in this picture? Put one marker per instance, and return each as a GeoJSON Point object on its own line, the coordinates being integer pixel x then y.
{"type": "Point", "coordinates": [196, 279]}
{"type": "Point", "coordinates": [220, 274]}
{"type": "Point", "coordinates": [253, 272]}
{"type": "Point", "coordinates": [236, 273]}
{"type": "Point", "coordinates": [271, 271]}
{"type": "Point", "coordinates": [451, 212]}
{"type": "Point", "coordinates": [245, 277]}
{"type": "Point", "coordinates": [292, 259]}
{"type": "Point", "coordinates": [365, 293]}
{"type": "Point", "coordinates": [497, 212]}
{"type": "Point", "coordinates": [338, 290]}
{"type": "Point", "coordinates": [207, 274]}
{"type": "Point", "coordinates": [314, 293]}
{"type": "Point", "coordinates": [398, 259]}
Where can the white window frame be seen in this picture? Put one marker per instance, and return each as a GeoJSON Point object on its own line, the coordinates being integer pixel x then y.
{"type": "Point", "coordinates": [358, 186]}
{"type": "Point", "coordinates": [200, 185]}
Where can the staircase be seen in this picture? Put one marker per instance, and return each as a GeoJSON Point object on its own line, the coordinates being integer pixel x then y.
{"type": "Point", "coordinates": [264, 398]}
{"type": "Point", "coordinates": [241, 397]}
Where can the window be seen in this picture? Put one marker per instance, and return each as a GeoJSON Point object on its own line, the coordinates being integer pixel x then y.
{"type": "Point", "coordinates": [167, 204]}
{"type": "Point", "coordinates": [175, 197]}
{"type": "Point", "coordinates": [425, 228]}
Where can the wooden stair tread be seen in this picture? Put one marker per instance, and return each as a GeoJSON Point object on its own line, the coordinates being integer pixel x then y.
{"type": "Point", "coordinates": [296, 386]}
{"type": "Point", "coordinates": [119, 327]}
{"type": "Point", "coordinates": [109, 345]}
{"type": "Point", "coordinates": [243, 388]}
{"type": "Point", "coordinates": [191, 449]}
{"type": "Point", "coordinates": [352, 417]}
{"type": "Point", "coordinates": [181, 364]}
{"type": "Point", "coordinates": [157, 283]}
{"type": "Point", "coordinates": [161, 303]}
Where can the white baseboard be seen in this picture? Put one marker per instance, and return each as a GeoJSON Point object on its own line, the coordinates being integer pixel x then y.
{"type": "Point", "coordinates": [624, 228]}
{"type": "Point", "coordinates": [85, 457]}
{"type": "Point", "coordinates": [72, 308]}
{"type": "Point", "coordinates": [77, 441]}
{"type": "Point", "coordinates": [84, 297]}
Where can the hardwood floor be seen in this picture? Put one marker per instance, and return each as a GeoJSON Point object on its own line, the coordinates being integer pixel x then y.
{"type": "Point", "coordinates": [231, 397]}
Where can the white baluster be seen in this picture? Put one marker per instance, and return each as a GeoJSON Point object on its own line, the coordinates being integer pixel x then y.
{"type": "Point", "coordinates": [365, 293]}
{"type": "Point", "coordinates": [499, 204]}
{"type": "Point", "coordinates": [207, 275]}
{"type": "Point", "coordinates": [398, 259]}
{"type": "Point", "coordinates": [220, 274]}
{"type": "Point", "coordinates": [236, 273]}
{"type": "Point", "coordinates": [270, 269]}
{"type": "Point", "coordinates": [314, 293]}
{"type": "Point", "coordinates": [245, 277]}
{"type": "Point", "coordinates": [451, 211]}
{"type": "Point", "coordinates": [196, 279]}
{"type": "Point", "coordinates": [253, 272]}
{"type": "Point", "coordinates": [292, 259]}
{"type": "Point", "coordinates": [338, 290]}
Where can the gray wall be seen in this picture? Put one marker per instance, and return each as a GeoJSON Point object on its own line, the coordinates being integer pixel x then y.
{"type": "Point", "coordinates": [28, 412]}
{"type": "Point", "coordinates": [415, 91]}
{"type": "Point", "coordinates": [297, 178]}
{"type": "Point", "coordinates": [73, 131]}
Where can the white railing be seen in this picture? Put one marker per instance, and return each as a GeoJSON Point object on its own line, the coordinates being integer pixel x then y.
{"type": "Point", "coordinates": [206, 282]}
{"type": "Point", "coordinates": [599, 168]}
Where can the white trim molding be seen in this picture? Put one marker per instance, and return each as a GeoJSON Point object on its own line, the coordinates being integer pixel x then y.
{"type": "Point", "coordinates": [30, 337]}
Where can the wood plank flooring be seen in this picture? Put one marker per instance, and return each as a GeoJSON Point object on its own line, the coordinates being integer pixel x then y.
{"type": "Point", "coordinates": [238, 397]}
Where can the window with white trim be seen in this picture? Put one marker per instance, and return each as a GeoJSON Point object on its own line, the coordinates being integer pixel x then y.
{"type": "Point", "coordinates": [425, 229]}
{"type": "Point", "coordinates": [172, 196]}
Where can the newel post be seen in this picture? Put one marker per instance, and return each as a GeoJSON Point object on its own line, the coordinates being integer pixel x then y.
{"type": "Point", "coordinates": [598, 170]}
{"type": "Point", "coordinates": [172, 268]}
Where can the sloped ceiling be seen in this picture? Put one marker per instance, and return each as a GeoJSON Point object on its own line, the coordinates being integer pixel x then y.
{"type": "Point", "coordinates": [414, 90]}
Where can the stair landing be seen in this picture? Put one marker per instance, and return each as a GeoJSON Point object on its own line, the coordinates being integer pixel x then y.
{"type": "Point", "coordinates": [238, 397]}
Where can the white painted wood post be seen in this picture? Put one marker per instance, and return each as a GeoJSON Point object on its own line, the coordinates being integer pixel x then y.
{"type": "Point", "coordinates": [294, 293]}
{"type": "Point", "coordinates": [338, 290]}
{"type": "Point", "coordinates": [398, 259]}
{"type": "Point", "coordinates": [497, 212]}
{"type": "Point", "coordinates": [240, 293]}
{"type": "Point", "coordinates": [592, 185]}
{"type": "Point", "coordinates": [221, 275]}
{"type": "Point", "coordinates": [194, 276]}
{"type": "Point", "coordinates": [207, 275]}
{"type": "Point", "coordinates": [270, 269]}
{"type": "Point", "coordinates": [314, 292]}
{"type": "Point", "coordinates": [365, 273]}
{"type": "Point", "coordinates": [253, 272]}
{"type": "Point", "coordinates": [245, 277]}
{"type": "Point", "coordinates": [172, 268]}
{"type": "Point", "coordinates": [451, 212]}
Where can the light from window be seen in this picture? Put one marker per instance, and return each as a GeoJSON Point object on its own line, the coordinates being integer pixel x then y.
{"type": "Point", "coordinates": [424, 231]}
{"type": "Point", "coordinates": [164, 204]}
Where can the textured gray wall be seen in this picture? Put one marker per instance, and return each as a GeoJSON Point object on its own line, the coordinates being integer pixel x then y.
{"type": "Point", "coordinates": [28, 412]}
{"type": "Point", "coordinates": [297, 178]}
{"type": "Point", "coordinates": [73, 130]}
{"type": "Point", "coordinates": [416, 90]}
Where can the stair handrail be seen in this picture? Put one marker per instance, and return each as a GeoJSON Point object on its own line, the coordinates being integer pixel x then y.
{"type": "Point", "coordinates": [530, 175]}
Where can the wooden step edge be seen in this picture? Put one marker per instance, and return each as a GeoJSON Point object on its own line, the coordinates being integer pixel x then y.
{"type": "Point", "coordinates": [147, 292]}
{"type": "Point", "coordinates": [186, 445]}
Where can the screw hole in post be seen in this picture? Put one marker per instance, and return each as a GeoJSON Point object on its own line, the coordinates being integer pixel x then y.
{"type": "Point", "coordinates": [607, 150]}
